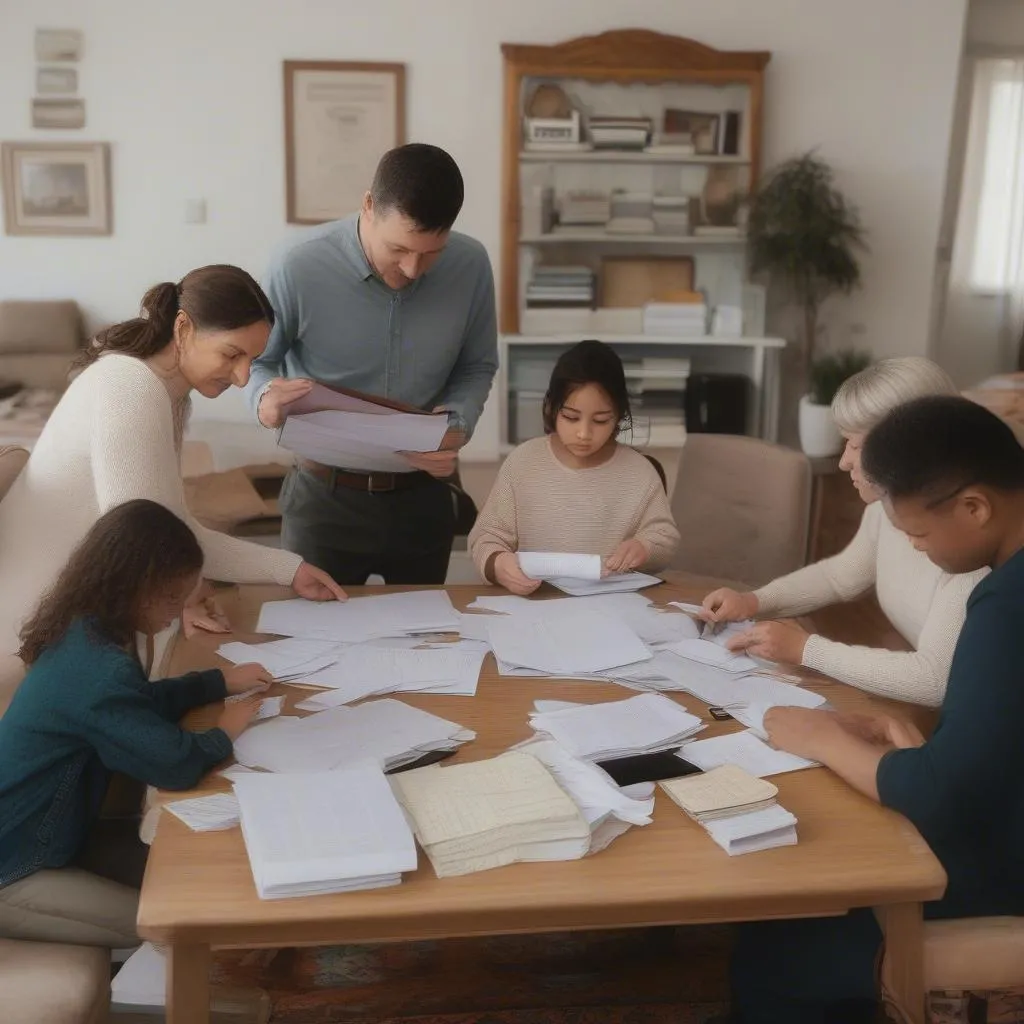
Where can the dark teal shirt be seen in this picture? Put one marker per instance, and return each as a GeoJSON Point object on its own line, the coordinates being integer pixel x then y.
{"type": "Point", "coordinates": [86, 709]}
{"type": "Point", "coordinates": [964, 789]}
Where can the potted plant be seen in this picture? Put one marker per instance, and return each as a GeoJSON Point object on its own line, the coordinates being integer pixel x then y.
{"type": "Point", "coordinates": [819, 435]}
{"type": "Point", "coordinates": [803, 233]}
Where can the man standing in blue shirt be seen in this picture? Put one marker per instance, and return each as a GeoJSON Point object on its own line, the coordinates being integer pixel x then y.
{"type": "Point", "coordinates": [392, 302]}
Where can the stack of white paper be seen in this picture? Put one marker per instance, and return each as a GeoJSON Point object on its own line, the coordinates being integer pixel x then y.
{"type": "Point", "coordinates": [386, 731]}
{"type": "Point", "coordinates": [363, 670]}
{"type": "Point", "coordinates": [361, 618]}
{"type": "Point", "coordinates": [357, 432]}
{"type": "Point", "coordinates": [638, 725]}
{"type": "Point", "coordinates": [609, 810]}
{"type": "Point", "coordinates": [286, 659]}
{"type": "Point", "coordinates": [324, 832]}
{"type": "Point", "coordinates": [746, 751]}
{"type": "Point", "coordinates": [573, 641]}
{"type": "Point", "coordinates": [757, 830]}
{"type": "Point", "coordinates": [471, 817]}
{"type": "Point", "coordinates": [738, 810]}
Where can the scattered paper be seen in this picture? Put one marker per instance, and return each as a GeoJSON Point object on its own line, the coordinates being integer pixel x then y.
{"type": "Point", "coordinates": [207, 813]}
{"type": "Point", "coordinates": [361, 618]}
{"type": "Point", "coordinates": [643, 724]}
{"type": "Point", "coordinates": [567, 643]}
{"type": "Point", "coordinates": [745, 750]}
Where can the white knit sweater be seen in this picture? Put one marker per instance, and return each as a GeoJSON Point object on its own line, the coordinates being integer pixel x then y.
{"type": "Point", "coordinates": [111, 438]}
{"type": "Point", "coordinates": [925, 604]}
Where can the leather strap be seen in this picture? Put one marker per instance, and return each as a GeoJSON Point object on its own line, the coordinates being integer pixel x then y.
{"type": "Point", "coordinates": [370, 483]}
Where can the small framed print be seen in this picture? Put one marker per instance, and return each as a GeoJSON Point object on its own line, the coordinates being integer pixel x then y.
{"type": "Point", "coordinates": [59, 81]}
{"type": "Point", "coordinates": [56, 188]}
{"type": "Point", "coordinates": [60, 44]}
{"type": "Point", "coordinates": [340, 118]}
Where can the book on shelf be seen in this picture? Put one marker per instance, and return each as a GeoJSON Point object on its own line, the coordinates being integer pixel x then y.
{"type": "Point", "coordinates": [558, 147]}
{"type": "Point", "coordinates": [620, 132]}
{"type": "Point", "coordinates": [630, 226]}
{"type": "Point", "coordinates": [718, 231]}
{"type": "Point", "coordinates": [672, 144]}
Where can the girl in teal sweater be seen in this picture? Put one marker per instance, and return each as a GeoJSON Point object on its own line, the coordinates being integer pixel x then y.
{"type": "Point", "coordinates": [85, 710]}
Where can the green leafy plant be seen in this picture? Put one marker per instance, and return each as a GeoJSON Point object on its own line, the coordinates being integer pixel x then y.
{"type": "Point", "coordinates": [828, 373]}
{"type": "Point", "coordinates": [803, 231]}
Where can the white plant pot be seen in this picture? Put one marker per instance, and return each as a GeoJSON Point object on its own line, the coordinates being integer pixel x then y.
{"type": "Point", "coordinates": [819, 435]}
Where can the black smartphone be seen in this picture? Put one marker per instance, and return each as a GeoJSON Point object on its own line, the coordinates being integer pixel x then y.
{"type": "Point", "coordinates": [627, 771]}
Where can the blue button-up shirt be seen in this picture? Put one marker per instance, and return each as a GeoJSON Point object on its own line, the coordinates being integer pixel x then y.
{"type": "Point", "coordinates": [434, 342]}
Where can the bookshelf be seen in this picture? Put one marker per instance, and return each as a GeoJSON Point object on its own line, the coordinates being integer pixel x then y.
{"type": "Point", "coordinates": [657, 137]}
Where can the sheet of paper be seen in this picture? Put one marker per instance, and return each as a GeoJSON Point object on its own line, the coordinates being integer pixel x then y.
{"type": "Point", "coordinates": [689, 609]}
{"type": "Point", "coordinates": [363, 669]}
{"type": "Point", "coordinates": [270, 707]}
{"type": "Point", "coordinates": [641, 724]}
{"type": "Point", "coordinates": [206, 813]}
{"type": "Point", "coordinates": [746, 751]}
{"type": "Point", "coordinates": [303, 832]}
{"type": "Point", "coordinates": [473, 627]}
{"type": "Point", "coordinates": [719, 789]}
{"type": "Point", "coordinates": [567, 643]}
{"type": "Point", "coordinates": [545, 565]}
{"type": "Point", "coordinates": [283, 659]}
{"type": "Point", "coordinates": [142, 979]}
{"type": "Point", "coordinates": [503, 603]}
{"type": "Point", "coordinates": [591, 789]}
{"type": "Point", "coordinates": [360, 618]}
{"type": "Point", "coordinates": [620, 582]}
{"type": "Point", "coordinates": [708, 653]}
{"type": "Point", "coordinates": [234, 771]}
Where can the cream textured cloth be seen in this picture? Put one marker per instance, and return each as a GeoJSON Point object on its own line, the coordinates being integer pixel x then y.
{"type": "Point", "coordinates": [539, 504]}
{"type": "Point", "coordinates": [925, 604]}
{"type": "Point", "coordinates": [111, 438]}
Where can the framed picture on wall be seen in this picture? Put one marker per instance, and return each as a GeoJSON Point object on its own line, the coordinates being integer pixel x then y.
{"type": "Point", "coordinates": [56, 188]}
{"type": "Point", "coordinates": [340, 118]}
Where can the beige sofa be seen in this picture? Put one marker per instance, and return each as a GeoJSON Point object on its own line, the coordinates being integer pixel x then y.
{"type": "Point", "coordinates": [38, 340]}
{"type": "Point", "coordinates": [44, 982]}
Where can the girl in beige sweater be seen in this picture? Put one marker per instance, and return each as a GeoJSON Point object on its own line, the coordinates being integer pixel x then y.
{"type": "Point", "coordinates": [576, 489]}
{"type": "Point", "coordinates": [925, 604]}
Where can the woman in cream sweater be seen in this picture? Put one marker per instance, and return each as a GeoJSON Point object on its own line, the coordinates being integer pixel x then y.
{"type": "Point", "coordinates": [925, 604]}
{"type": "Point", "coordinates": [116, 434]}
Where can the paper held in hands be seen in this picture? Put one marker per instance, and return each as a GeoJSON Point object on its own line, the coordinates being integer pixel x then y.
{"type": "Point", "coordinates": [580, 575]}
{"type": "Point", "coordinates": [349, 429]}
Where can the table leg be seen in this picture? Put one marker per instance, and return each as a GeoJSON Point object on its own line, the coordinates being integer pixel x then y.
{"type": "Point", "coordinates": [903, 969]}
{"type": "Point", "coordinates": [188, 984]}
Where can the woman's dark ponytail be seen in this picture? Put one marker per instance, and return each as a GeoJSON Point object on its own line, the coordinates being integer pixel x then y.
{"type": "Point", "coordinates": [218, 297]}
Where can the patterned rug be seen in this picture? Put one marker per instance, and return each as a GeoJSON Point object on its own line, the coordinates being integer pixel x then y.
{"type": "Point", "coordinates": [652, 975]}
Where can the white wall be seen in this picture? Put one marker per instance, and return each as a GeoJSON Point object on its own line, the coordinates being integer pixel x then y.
{"type": "Point", "coordinates": [995, 23]}
{"type": "Point", "coordinates": [189, 95]}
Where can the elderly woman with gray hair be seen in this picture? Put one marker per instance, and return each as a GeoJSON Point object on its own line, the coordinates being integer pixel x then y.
{"type": "Point", "coordinates": [924, 604]}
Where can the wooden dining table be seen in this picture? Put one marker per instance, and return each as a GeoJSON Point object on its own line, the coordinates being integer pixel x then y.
{"type": "Point", "coordinates": [198, 892]}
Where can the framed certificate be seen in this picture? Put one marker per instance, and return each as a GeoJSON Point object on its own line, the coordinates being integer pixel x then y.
{"type": "Point", "coordinates": [340, 118]}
